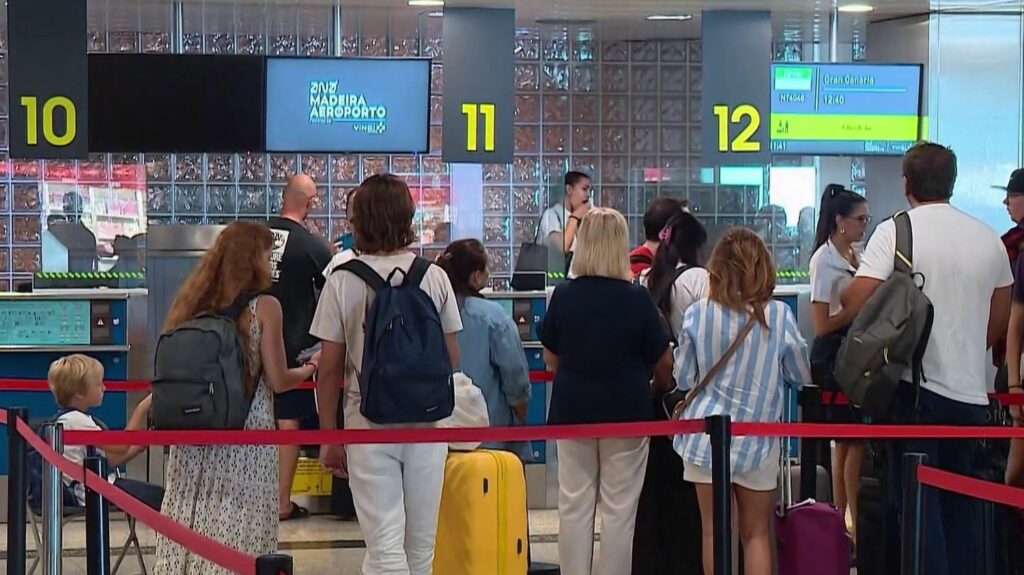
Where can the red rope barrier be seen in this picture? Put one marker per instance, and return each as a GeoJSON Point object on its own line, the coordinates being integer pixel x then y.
{"type": "Point", "coordinates": [971, 487]}
{"type": "Point", "coordinates": [1007, 399]}
{"type": "Point", "coordinates": [205, 547]}
{"type": "Point", "coordinates": [24, 384]}
{"type": "Point", "coordinates": [529, 433]}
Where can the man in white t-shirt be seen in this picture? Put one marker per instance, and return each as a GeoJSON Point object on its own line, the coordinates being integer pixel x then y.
{"type": "Point", "coordinates": [966, 275]}
{"type": "Point", "coordinates": [396, 488]}
{"type": "Point", "coordinates": [560, 222]}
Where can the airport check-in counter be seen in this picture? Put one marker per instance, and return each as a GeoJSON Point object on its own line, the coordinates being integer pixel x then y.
{"type": "Point", "coordinates": [527, 311]}
{"type": "Point", "coordinates": [107, 324]}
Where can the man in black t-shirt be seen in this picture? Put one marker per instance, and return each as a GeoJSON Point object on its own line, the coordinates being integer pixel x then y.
{"type": "Point", "coordinates": [296, 263]}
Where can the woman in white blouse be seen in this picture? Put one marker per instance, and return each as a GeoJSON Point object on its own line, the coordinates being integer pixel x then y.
{"type": "Point", "coordinates": [842, 222]}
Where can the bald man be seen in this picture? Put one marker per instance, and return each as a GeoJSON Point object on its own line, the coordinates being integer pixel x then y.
{"type": "Point", "coordinates": [297, 260]}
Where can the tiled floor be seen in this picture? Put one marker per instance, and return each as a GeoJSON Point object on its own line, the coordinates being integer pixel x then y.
{"type": "Point", "coordinates": [318, 544]}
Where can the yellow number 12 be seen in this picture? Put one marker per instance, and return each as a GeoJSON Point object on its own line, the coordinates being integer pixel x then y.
{"type": "Point", "coordinates": [31, 105]}
{"type": "Point", "coordinates": [471, 111]}
{"type": "Point", "coordinates": [741, 143]}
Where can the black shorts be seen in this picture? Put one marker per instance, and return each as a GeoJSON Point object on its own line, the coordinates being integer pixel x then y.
{"type": "Point", "coordinates": [295, 404]}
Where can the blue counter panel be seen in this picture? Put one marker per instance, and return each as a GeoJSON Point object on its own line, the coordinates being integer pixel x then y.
{"type": "Point", "coordinates": [35, 365]}
{"type": "Point", "coordinates": [40, 405]}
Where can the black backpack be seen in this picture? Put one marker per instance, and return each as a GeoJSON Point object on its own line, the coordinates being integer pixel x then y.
{"type": "Point", "coordinates": [199, 380]}
{"type": "Point", "coordinates": [406, 373]}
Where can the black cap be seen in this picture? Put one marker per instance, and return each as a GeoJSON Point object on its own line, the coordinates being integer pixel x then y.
{"type": "Point", "coordinates": [1016, 184]}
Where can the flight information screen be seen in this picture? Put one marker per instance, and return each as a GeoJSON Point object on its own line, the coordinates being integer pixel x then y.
{"type": "Point", "coordinates": [44, 322]}
{"type": "Point", "coordinates": [845, 109]}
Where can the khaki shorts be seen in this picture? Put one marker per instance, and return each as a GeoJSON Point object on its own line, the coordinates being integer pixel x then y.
{"type": "Point", "coordinates": [763, 478]}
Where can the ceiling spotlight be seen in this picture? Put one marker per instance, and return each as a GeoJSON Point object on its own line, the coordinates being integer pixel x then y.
{"type": "Point", "coordinates": [856, 8]}
{"type": "Point", "coordinates": [670, 17]}
{"type": "Point", "coordinates": [426, 2]}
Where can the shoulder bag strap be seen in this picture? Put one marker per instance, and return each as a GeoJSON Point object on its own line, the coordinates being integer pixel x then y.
{"type": "Point", "coordinates": [706, 380]}
{"type": "Point", "coordinates": [904, 257]}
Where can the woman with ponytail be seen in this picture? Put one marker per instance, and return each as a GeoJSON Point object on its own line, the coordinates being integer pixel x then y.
{"type": "Point", "coordinates": [668, 503]}
{"type": "Point", "coordinates": [842, 221]}
{"type": "Point", "coordinates": [490, 351]}
{"type": "Point", "coordinates": [676, 279]}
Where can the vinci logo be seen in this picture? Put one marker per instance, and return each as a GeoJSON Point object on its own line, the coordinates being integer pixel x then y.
{"type": "Point", "coordinates": [328, 104]}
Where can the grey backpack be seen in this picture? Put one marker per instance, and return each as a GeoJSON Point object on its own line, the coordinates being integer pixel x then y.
{"type": "Point", "coordinates": [889, 334]}
{"type": "Point", "coordinates": [199, 380]}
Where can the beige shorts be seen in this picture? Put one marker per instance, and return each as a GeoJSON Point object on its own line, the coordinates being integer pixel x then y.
{"type": "Point", "coordinates": [763, 478]}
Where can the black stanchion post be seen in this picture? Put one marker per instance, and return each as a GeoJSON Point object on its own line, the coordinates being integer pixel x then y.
{"type": "Point", "coordinates": [17, 492]}
{"type": "Point", "coordinates": [810, 449]}
{"type": "Point", "coordinates": [274, 564]}
{"type": "Point", "coordinates": [911, 535]}
{"type": "Point", "coordinates": [720, 430]}
{"type": "Point", "coordinates": [97, 523]}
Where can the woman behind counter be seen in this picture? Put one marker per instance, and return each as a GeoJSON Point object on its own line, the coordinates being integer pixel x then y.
{"type": "Point", "coordinates": [490, 351]}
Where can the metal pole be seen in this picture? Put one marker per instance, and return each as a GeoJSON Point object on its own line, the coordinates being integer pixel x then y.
{"type": "Point", "coordinates": [336, 30]}
{"type": "Point", "coordinates": [719, 428]}
{"type": "Point", "coordinates": [274, 564]}
{"type": "Point", "coordinates": [97, 523]}
{"type": "Point", "coordinates": [17, 492]}
{"type": "Point", "coordinates": [177, 27]}
{"type": "Point", "coordinates": [53, 503]}
{"type": "Point", "coordinates": [911, 537]}
{"type": "Point", "coordinates": [833, 33]}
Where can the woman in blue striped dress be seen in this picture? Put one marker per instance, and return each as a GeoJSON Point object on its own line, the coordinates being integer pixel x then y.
{"type": "Point", "coordinates": [747, 387]}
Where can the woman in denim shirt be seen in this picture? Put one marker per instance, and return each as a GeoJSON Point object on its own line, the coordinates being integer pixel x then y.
{"type": "Point", "coordinates": [490, 351]}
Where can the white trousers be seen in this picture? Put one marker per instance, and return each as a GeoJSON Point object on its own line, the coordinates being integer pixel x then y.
{"type": "Point", "coordinates": [397, 492]}
{"type": "Point", "coordinates": [615, 468]}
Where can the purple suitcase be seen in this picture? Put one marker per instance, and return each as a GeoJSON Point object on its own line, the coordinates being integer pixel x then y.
{"type": "Point", "coordinates": [811, 539]}
{"type": "Point", "coordinates": [810, 536]}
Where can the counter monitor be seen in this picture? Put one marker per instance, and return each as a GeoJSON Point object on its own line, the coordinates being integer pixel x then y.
{"type": "Point", "coordinates": [40, 323]}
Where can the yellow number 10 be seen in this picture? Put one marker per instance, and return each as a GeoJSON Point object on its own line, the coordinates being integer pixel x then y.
{"type": "Point", "coordinates": [471, 112]}
{"type": "Point", "coordinates": [31, 104]}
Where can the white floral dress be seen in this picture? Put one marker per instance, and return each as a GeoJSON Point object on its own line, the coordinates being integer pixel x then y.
{"type": "Point", "coordinates": [226, 492]}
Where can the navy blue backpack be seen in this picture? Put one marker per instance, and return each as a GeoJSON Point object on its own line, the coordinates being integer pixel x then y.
{"type": "Point", "coordinates": [34, 461]}
{"type": "Point", "coordinates": [407, 373]}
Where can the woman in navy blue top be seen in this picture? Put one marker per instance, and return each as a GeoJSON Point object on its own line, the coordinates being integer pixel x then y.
{"type": "Point", "coordinates": [605, 342]}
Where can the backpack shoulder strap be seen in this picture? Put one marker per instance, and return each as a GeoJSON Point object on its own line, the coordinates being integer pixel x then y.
{"type": "Point", "coordinates": [666, 288]}
{"type": "Point", "coordinates": [903, 260]}
{"type": "Point", "coordinates": [236, 308]}
{"type": "Point", "coordinates": [640, 259]}
{"type": "Point", "coordinates": [364, 272]}
{"type": "Point", "coordinates": [417, 271]}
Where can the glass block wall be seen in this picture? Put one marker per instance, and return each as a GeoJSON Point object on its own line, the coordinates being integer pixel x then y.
{"type": "Point", "coordinates": [621, 111]}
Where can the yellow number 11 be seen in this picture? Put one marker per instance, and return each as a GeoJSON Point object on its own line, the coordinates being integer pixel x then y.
{"type": "Point", "coordinates": [471, 111]}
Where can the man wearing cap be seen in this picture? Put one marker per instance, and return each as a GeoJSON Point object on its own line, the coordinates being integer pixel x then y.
{"type": "Point", "coordinates": [1014, 242]}
{"type": "Point", "coordinates": [1008, 352]}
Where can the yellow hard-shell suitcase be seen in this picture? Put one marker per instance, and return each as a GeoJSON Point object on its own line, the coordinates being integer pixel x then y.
{"type": "Point", "coordinates": [481, 529]}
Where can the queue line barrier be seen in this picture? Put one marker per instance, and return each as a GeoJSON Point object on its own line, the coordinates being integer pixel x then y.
{"type": "Point", "coordinates": [205, 547]}
{"type": "Point", "coordinates": [719, 428]}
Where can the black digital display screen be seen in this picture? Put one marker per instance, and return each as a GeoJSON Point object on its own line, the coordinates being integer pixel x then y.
{"type": "Point", "coordinates": [176, 103]}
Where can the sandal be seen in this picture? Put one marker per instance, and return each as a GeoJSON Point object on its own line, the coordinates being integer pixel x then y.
{"type": "Point", "coordinates": [297, 512]}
